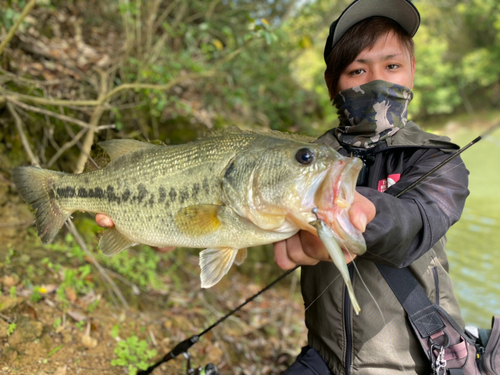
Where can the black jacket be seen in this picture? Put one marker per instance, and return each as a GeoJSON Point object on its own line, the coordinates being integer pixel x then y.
{"type": "Point", "coordinates": [406, 231]}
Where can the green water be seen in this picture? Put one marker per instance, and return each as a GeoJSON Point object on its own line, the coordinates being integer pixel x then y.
{"type": "Point", "coordinates": [474, 242]}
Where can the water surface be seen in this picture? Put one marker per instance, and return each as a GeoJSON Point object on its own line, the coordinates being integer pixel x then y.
{"type": "Point", "coordinates": [474, 242]}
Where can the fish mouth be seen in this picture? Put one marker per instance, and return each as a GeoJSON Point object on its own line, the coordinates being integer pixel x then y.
{"type": "Point", "coordinates": [334, 197]}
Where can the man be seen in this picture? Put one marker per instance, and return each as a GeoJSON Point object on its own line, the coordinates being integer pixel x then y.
{"type": "Point", "coordinates": [370, 71]}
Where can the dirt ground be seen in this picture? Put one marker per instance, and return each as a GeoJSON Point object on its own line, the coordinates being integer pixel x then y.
{"type": "Point", "coordinates": [49, 326]}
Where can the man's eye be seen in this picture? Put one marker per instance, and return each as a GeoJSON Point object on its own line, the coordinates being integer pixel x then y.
{"type": "Point", "coordinates": [392, 66]}
{"type": "Point", "coordinates": [357, 72]}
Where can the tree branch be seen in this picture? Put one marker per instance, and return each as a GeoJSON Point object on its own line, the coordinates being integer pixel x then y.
{"type": "Point", "coordinates": [65, 146]}
{"type": "Point", "coordinates": [30, 108]}
{"type": "Point", "coordinates": [94, 119]}
{"type": "Point", "coordinates": [24, 140]}
{"type": "Point", "coordinates": [99, 102]}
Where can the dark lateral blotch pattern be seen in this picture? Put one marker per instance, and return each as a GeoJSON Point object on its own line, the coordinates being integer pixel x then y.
{"type": "Point", "coordinates": [142, 195]}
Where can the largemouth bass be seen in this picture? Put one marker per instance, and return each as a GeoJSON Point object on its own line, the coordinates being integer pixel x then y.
{"type": "Point", "coordinates": [224, 193]}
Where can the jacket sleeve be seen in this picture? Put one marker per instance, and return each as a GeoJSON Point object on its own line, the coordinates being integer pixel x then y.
{"type": "Point", "coordinates": [405, 228]}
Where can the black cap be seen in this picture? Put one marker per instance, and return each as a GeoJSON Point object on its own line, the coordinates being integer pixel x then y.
{"type": "Point", "coordinates": [401, 11]}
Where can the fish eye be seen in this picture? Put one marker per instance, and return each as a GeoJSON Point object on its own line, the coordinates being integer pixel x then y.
{"type": "Point", "coordinates": [305, 156]}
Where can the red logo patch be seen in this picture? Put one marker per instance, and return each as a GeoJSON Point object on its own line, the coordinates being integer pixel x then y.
{"type": "Point", "coordinates": [386, 183]}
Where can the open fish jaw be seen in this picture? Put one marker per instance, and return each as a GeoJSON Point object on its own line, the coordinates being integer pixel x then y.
{"type": "Point", "coordinates": [334, 198]}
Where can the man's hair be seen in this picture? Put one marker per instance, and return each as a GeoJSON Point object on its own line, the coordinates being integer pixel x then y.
{"type": "Point", "coordinates": [362, 35]}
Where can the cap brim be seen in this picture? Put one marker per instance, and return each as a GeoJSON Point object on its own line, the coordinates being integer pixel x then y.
{"type": "Point", "coordinates": [403, 12]}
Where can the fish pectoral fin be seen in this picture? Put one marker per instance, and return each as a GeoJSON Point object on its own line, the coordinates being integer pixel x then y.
{"type": "Point", "coordinates": [112, 242]}
{"type": "Point", "coordinates": [198, 220]}
{"type": "Point", "coordinates": [119, 147]}
{"type": "Point", "coordinates": [240, 257]}
{"type": "Point", "coordinates": [266, 221]}
{"type": "Point", "coordinates": [215, 263]}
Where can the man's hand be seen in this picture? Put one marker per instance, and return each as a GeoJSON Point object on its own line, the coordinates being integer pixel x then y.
{"type": "Point", "coordinates": [306, 249]}
{"type": "Point", "coordinates": [105, 221]}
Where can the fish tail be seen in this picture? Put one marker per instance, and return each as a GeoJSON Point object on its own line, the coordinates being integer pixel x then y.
{"type": "Point", "coordinates": [34, 185]}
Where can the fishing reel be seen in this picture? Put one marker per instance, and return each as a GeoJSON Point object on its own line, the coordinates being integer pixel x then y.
{"type": "Point", "coordinates": [209, 369]}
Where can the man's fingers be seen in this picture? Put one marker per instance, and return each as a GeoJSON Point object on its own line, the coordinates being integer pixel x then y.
{"type": "Point", "coordinates": [362, 211]}
{"type": "Point", "coordinates": [296, 251]}
{"type": "Point", "coordinates": [313, 247]}
{"type": "Point", "coordinates": [289, 253]}
{"type": "Point", "coordinates": [281, 257]}
{"type": "Point", "coordinates": [104, 221]}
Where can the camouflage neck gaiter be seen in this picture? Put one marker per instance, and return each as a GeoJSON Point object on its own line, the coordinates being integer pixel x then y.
{"type": "Point", "coordinates": [371, 112]}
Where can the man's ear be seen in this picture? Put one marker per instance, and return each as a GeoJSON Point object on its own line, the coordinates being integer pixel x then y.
{"type": "Point", "coordinates": [327, 78]}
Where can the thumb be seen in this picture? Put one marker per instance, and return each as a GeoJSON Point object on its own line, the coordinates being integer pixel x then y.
{"type": "Point", "coordinates": [362, 211]}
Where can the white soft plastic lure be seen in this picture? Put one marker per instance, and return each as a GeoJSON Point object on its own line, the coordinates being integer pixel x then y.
{"type": "Point", "coordinates": [327, 236]}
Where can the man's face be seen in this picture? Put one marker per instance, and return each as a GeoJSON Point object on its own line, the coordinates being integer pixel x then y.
{"type": "Point", "coordinates": [388, 60]}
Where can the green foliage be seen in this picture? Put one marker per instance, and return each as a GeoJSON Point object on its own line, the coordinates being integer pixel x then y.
{"type": "Point", "coordinates": [133, 354]}
{"type": "Point", "coordinates": [138, 265]}
{"type": "Point", "coordinates": [10, 12]}
{"type": "Point", "coordinates": [10, 255]}
{"type": "Point", "coordinates": [69, 247]}
{"type": "Point", "coordinates": [57, 323]}
{"type": "Point", "coordinates": [457, 49]}
{"type": "Point", "coordinates": [36, 296]}
{"type": "Point", "coordinates": [434, 88]}
{"type": "Point", "coordinates": [77, 280]}
{"type": "Point", "coordinates": [115, 331]}
{"type": "Point", "coordinates": [11, 329]}
{"type": "Point", "coordinates": [13, 292]}
{"type": "Point", "coordinates": [54, 267]}
{"type": "Point", "coordinates": [55, 350]}
{"type": "Point", "coordinates": [252, 82]}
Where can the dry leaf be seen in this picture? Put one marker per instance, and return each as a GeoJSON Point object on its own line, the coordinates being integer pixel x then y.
{"type": "Point", "coordinates": [76, 315]}
{"type": "Point", "coordinates": [89, 342]}
{"type": "Point", "coordinates": [61, 370]}
{"type": "Point", "coordinates": [71, 294]}
{"type": "Point", "coordinates": [10, 280]}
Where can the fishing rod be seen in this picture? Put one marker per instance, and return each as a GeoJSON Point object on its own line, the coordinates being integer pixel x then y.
{"type": "Point", "coordinates": [210, 369]}
{"type": "Point", "coordinates": [184, 346]}
{"type": "Point", "coordinates": [443, 163]}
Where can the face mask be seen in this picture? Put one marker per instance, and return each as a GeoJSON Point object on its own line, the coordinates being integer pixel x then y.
{"type": "Point", "coordinates": [371, 112]}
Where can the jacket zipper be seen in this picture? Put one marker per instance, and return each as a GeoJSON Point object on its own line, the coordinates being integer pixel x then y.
{"type": "Point", "coordinates": [347, 323]}
{"type": "Point", "coordinates": [436, 283]}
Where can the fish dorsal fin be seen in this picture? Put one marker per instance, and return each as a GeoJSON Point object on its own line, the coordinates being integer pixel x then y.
{"type": "Point", "coordinates": [198, 220]}
{"type": "Point", "coordinates": [215, 263]}
{"type": "Point", "coordinates": [119, 147]}
{"type": "Point", "coordinates": [112, 242]}
{"type": "Point", "coordinates": [240, 257]}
